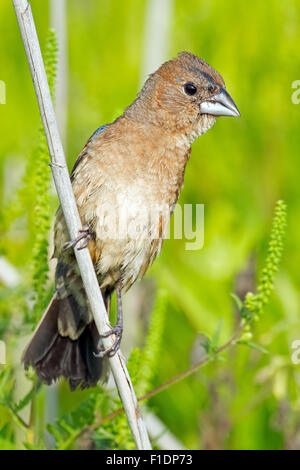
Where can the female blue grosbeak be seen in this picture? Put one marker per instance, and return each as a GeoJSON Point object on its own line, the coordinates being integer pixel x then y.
{"type": "Point", "coordinates": [130, 166]}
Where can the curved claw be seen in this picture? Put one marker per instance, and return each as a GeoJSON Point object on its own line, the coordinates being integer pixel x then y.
{"type": "Point", "coordinates": [111, 351]}
{"type": "Point", "coordinates": [117, 331]}
{"type": "Point", "coordinates": [84, 235]}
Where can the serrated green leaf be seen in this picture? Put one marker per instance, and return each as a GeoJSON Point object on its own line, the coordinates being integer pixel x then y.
{"type": "Point", "coordinates": [56, 433]}
{"type": "Point", "coordinates": [24, 401]}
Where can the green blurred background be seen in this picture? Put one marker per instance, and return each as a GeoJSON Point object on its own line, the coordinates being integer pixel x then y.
{"type": "Point", "coordinates": [239, 170]}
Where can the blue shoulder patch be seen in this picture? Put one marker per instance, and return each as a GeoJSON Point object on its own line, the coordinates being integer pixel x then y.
{"type": "Point", "coordinates": [97, 131]}
{"type": "Point", "coordinates": [84, 151]}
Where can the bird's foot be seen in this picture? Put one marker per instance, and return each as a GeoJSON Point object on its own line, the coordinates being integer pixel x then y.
{"type": "Point", "coordinates": [84, 234]}
{"type": "Point", "coordinates": [117, 330]}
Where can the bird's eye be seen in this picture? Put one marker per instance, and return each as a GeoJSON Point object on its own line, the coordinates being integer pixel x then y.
{"type": "Point", "coordinates": [190, 89]}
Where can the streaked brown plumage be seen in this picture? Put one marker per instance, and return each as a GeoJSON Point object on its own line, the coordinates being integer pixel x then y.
{"type": "Point", "coordinates": [135, 163]}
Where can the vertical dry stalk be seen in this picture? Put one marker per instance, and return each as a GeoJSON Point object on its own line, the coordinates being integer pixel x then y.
{"type": "Point", "coordinates": [68, 204]}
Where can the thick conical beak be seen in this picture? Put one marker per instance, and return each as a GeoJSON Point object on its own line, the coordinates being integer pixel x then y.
{"type": "Point", "coordinates": [220, 105]}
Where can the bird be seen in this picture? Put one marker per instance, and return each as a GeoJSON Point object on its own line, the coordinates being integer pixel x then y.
{"type": "Point", "coordinates": [127, 169]}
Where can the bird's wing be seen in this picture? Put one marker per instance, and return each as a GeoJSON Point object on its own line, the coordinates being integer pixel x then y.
{"type": "Point", "coordinates": [84, 185]}
{"type": "Point", "coordinates": [85, 149]}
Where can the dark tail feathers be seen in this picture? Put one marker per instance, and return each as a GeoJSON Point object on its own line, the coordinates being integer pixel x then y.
{"type": "Point", "coordinates": [54, 356]}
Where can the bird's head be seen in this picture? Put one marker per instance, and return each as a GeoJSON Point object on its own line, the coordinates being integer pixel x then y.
{"type": "Point", "coordinates": [187, 94]}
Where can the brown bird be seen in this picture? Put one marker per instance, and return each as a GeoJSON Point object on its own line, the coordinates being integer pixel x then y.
{"type": "Point", "coordinates": [128, 174]}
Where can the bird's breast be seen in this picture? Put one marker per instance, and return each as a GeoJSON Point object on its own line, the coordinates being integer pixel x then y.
{"type": "Point", "coordinates": [130, 229]}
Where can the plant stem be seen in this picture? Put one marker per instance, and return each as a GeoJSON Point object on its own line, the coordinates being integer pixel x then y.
{"type": "Point", "coordinates": [69, 207]}
{"type": "Point", "coordinates": [31, 426]}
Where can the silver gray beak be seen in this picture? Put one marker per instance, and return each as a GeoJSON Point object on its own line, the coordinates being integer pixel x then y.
{"type": "Point", "coordinates": [220, 105]}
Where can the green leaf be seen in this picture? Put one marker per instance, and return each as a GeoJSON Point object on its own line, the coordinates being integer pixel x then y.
{"type": "Point", "coordinates": [253, 346]}
{"type": "Point", "coordinates": [238, 301]}
{"type": "Point", "coordinates": [22, 403]}
{"type": "Point", "coordinates": [56, 433]}
{"type": "Point", "coordinates": [205, 342]}
{"type": "Point", "coordinates": [216, 336]}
